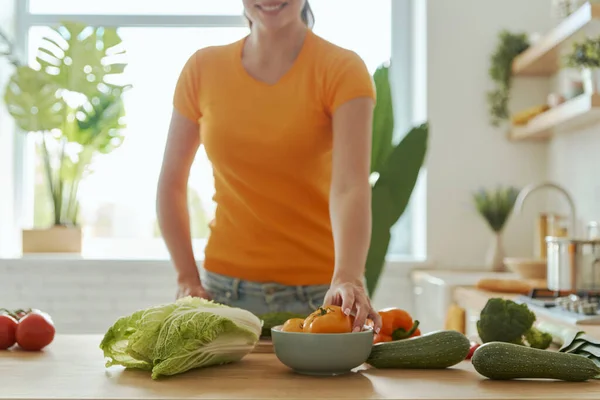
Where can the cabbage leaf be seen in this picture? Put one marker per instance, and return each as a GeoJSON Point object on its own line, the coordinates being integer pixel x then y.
{"type": "Point", "coordinates": [174, 338]}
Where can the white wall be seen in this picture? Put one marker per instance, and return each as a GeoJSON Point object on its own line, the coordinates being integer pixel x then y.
{"type": "Point", "coordinates": [87, 296]}
{"type": "Point", "coordinates": [466, 152]}
{"type": "Point", "coordinates": [574, 162]}
{"type": "Point", "coordinates": [7, 233]}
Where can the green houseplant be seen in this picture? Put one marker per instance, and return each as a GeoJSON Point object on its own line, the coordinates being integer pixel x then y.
{"type": "Point", "coordinates": [72, 102]}
{"type": "Point", "coordinates": [8, 49]}
{"type": "Point", "coordinates": [510, 45]}
{"type": "Point", "coordinates": [495, 206]}
{"type": "Point", "coordinates": [585, 55]}
{"type": "Point", "coordinates": [395, 168]}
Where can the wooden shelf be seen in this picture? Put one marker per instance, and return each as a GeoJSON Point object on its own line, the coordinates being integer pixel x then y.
{"type": "Point", "coordinates": [543, 58]}
{"type": "Point", "coordinates": [577, 113]}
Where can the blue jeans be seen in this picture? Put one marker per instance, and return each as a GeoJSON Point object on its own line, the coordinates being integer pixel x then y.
{"type": "Point", "coordinates": [262, 298]}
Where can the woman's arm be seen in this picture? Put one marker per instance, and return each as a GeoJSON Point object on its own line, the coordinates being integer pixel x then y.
{"type": "Point", "coordinates": [350, 206]}
{"type": "Point", "coordinates": [182, 144]}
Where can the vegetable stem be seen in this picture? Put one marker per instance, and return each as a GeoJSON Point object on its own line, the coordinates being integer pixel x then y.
{"type": "Point", "coordinates": [401, 333]}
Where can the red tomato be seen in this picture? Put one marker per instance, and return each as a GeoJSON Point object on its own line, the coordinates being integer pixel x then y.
{"type": "Point", "coordinates": [8, 329]}
{"type": "Point", "coordinates": [474, 347]}
{"type": "Point", "coordinates": [35, 331]}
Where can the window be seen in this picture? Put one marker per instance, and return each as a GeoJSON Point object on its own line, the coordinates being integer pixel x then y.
{"type": "Point", "coordinates": [140, 7]}
{"type": "Point", "coordinates": [116, 219]}
{"type": "Point", "coordinates": [120, 222]}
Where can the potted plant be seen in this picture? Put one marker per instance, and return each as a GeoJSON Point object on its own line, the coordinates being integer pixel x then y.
{"type": "Point", "coordinates": [562, 9]}
{"type": "Point", "coordinates": [495, 206]}
{"type": "Point", "coordinates": [8, 49]}
{"type": "Point", "coordinates": [500, 71]}
{"type": "Point", "coordinates": [73, 105]}
{"type": "Point", "coordinates": [585, 56]}
{"type": "Point", "coordinates": [395, 169]}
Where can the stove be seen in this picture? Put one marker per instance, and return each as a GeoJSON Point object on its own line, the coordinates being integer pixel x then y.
{"type": "Point", "coordinates": [580, 308]}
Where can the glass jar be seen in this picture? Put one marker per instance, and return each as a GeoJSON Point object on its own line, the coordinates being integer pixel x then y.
{"type": "Point", "coordinates": [593, 230]}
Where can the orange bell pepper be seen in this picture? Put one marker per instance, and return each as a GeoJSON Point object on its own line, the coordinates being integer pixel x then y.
{"type": "Point", "coordinates": [293, 325]}
{"type": "Point", "coordinates": [328, 319]}
{"type": "Point", "coordinates": [396, 324]}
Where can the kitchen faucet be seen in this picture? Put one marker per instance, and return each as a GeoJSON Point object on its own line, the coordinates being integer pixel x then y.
{"type": "Point", "coordinates": [529, 189]}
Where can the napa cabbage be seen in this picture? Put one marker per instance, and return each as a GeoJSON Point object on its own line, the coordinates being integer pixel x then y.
{"type": "Point", "coordinates": [174, 338]}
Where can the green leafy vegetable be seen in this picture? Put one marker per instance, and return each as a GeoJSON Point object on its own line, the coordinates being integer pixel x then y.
{"type": "Point", "coordinates": [273, 319]}
{"type": "Point", "coordinates": [174, 338]}
{"type": "Point", "coordinates": [506, 321]}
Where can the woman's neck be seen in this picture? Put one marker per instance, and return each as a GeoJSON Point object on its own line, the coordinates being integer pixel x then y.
{"type": "Point", "coordinates": [284, 45]}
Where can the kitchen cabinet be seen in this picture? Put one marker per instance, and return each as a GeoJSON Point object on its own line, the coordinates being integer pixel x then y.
{"type": "Point", "coordinates": [72, 368]}
{"type": "Point", "coordinates": [433, 292]}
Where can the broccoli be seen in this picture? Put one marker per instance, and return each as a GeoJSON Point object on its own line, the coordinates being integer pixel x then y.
{"type": "Point", "coordinates": [538, 339]}
{"type": "Point", "coordinates": [506, 321]}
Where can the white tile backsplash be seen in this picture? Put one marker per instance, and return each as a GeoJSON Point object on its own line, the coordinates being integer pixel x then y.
{"type": "Point", "coordinates": [87, 296]}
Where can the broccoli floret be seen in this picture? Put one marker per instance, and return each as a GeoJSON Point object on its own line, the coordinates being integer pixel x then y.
{"type": "Point", "coordinates": [506, 321]}
{"type": "Point", "coordinates": [538, 339]}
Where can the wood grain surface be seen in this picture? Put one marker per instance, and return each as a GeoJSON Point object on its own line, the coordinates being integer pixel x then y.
{"type": "Point", "coordinates": [73, 368]}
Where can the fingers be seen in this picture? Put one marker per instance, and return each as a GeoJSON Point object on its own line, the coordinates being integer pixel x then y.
{"type": "Point", "coordinates": [348, 300]}
{"type": "Point", "coordinates": [205, 295]}
{"type": "Point", "coordinates": [362, 311]}
{"type": "Point", "coordinates": [354, 301]}
{"type": "Point", "coordinates": [328, 300]}
{"type": "Point", "coordinates": [376, 318]}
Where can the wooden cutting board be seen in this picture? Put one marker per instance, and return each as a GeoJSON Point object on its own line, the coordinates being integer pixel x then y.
{"type": "Point", "coordinates": [264, 346]}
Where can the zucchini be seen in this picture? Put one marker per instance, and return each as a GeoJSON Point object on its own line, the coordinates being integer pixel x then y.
{"type": "Point", "coordinates": [503, 361]}
{"type": "Point", "coordinates": [436, 350]}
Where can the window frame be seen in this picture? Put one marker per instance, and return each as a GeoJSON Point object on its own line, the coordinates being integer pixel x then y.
{"type": "Point", "coordinates": [405, 13]}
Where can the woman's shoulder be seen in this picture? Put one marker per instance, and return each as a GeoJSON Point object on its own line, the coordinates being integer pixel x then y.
{"type": "Point", "coordinates": [331, 54]}
{"type": "Point", "coordinates": [215, 54]}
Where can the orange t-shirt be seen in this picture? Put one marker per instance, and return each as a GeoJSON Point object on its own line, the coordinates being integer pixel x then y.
{"type": "Point", "coordinates": [271, 147]}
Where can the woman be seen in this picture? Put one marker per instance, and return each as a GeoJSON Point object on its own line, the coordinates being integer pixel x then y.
{"type": "Point", "coordinates": [285, 118]}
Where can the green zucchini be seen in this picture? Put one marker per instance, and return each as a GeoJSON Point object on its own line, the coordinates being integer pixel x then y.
{"type": "Point", "coordinates": [503, 361]}
{"type": "Point", "coordinates": [436, 350]}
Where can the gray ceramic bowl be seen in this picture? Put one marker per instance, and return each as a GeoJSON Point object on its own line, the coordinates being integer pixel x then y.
{"type": "Point", "coordinates": [322, 353]}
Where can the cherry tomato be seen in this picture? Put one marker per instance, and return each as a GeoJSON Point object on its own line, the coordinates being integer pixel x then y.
{"type": "Point", "coordinates": [330, 319]}
{"type": "Point", "coordinates": [293, 325]}
{"type": "Point", "coordinates": [8, 329]}
{"type": "Point", "coordinates": [35, 331]}
{"type": "Point", "coordinates": [474, 347]}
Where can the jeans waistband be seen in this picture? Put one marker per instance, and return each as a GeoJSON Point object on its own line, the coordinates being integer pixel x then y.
{"type": "Point", "coordinates": [235, 286]}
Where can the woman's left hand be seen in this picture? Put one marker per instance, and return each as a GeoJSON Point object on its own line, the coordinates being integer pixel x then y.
{"type": "Point", "coordinates": [353, 299]}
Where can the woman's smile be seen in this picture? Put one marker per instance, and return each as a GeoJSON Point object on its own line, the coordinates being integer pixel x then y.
{"type": "Point", "coordinates": [271, 8]}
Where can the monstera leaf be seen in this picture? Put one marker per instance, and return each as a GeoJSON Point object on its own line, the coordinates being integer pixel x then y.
{"type": "Point", "coordinates": [74, 100]}
{"type": "Point", "coordinates": [31, 99]}
{"type": "Point", "coordinates": [100, 123]}
{"type": "Point", "coordinates": [82, 59]}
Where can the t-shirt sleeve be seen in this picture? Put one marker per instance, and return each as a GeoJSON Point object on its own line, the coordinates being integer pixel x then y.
{"type": "Point", "coordinates": [349, 78]}
{"type": "Point", "coordinates": [187, 90]}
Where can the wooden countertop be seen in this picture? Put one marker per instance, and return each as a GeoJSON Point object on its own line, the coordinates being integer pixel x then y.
{"type": "Point", "coordinates": [72, 368]}
{"type": "Point", "coordinates": [472, 298]}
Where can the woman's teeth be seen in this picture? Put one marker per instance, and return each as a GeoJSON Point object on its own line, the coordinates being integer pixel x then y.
{"type": "Point", "coordinates": [272, 8]}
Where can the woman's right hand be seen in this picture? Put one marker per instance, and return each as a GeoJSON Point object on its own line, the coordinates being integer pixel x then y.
{"type": "Point", "coordinates": [193, 289]}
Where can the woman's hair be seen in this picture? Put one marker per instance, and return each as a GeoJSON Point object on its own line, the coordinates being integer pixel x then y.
{"type": "Point", "coordinates": [307, 16]}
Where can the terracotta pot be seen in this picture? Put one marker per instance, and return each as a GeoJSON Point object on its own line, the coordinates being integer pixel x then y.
{"type": "Point", "coordinates": [57, 239]}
